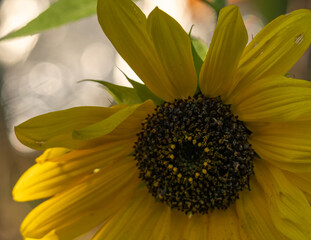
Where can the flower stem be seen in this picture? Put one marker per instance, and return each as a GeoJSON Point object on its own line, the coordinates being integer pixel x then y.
{"type": "Point", "coordinates": [217, 5]}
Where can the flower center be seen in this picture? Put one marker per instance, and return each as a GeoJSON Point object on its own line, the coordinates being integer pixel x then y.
{"type": "Point", "coordinates": [193, 154]}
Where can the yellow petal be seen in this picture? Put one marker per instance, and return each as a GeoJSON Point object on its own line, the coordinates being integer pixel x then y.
{"type": "Point", "coordinates": [244, 235]}
{"type": "Point", "coordinates": [46, 179]}
{"type": "Point", "coordinates": [104, 192]}
{"type": "Point", "coordinates": [125, 26]}
{"type": "Point", "coordinates": [118, 225]}
{"type": "Point", "coordinates": [302, 181]}
{"type": "Point", "coordinates": [289, 209]}
{"type": "Point", "coordinates": [196, 227]}
{"type": "Point", "coordinates": [223, 224]}
{"type": "Point", "coordinates": [285, 145]}
{"type": "Point", "coordinates": [273, 99]}
{"type": "Point", "coordinates": [161, 226]}
{"type": "Point", "coordinates": [92, 219]}
{"type": "Point", "coordinates": [229, 40]}
{"type": "Point", "coordinates": [277, 47]}
{"type": "Point", "coordinates": [179, 224]}
{"type": "Point", "coordinates": [254, 214]}
{"type": "Point", "coordinates": [142, 219]}
{"type": "Point", "coordinates": [173, 46]}
{"type": "Point", "coordinates": [153, 215]}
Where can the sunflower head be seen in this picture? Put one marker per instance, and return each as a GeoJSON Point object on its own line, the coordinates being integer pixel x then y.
{"type": "Point", "coordinates": [224, 138]}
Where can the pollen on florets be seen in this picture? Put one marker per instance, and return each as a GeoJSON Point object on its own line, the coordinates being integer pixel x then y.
{"type": "Point", "coordinates": [193, 154]}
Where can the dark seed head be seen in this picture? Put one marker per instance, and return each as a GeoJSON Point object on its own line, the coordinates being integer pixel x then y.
{"type": "Point", "coordinates": [193, 154]}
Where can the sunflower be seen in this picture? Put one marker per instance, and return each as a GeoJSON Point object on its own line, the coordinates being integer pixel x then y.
{"type": "Point", "coordinates": [217, 150]}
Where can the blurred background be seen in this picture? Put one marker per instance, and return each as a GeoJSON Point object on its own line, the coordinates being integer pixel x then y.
{"type": "Point", "coordinates": [40, 73]}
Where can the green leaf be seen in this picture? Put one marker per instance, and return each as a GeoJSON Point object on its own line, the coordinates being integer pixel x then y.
{"type": "Point", "coordinates": [105, 126]}
{"type": "Point", "coordinates": [143, 92]}
{"type": "Point", "coordinates": [121, 94]}
{"type": "Point", "coordinates": [59, 13]}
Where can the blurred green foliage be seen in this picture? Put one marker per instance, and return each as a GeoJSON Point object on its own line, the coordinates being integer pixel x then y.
{"type": "Point", "coordinates": [59, 13]}
{"type": "Point", "coordinates": [270, 9]}
{"type": "Point", "coordinates": [65, 11]}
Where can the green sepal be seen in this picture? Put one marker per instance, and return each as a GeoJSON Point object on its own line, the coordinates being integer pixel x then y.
{"type": "Point", "coordinates": [143, 92]}
{"type": "Point", "coordinates": [121, 94]}
{"type": "Point", "coordinates": [199, 50]}
{"type": "Point", "coordinates": [59, 13]}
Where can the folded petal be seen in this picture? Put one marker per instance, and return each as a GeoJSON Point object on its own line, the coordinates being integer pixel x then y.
{"type": "Point", "coordinates": [76, 209]}
{"type": "Point", "coordinates": [109, 124]}
{"type": "Point", "coordinates": [229, 40]}
{"type": "Point", "coordinates": [289, 208]}
{"type": "Point", "coordinates": [277, 47]}
{"type": "Point", "coordinates": [173, 47]}
{"type": "Point", "coordinates": [56, 129]}
{"type": "Point", "coordinates": [46, 179]}
{"type": "Point", "coordinates": [125, 26]}
{"type": "Point", "coordinates": [285, 145]}
{"type": "Point", "coordinates": [273, 99]}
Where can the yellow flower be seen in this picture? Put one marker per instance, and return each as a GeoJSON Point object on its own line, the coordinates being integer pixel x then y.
{"type": "Point", "coordinates": [230, 159]}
